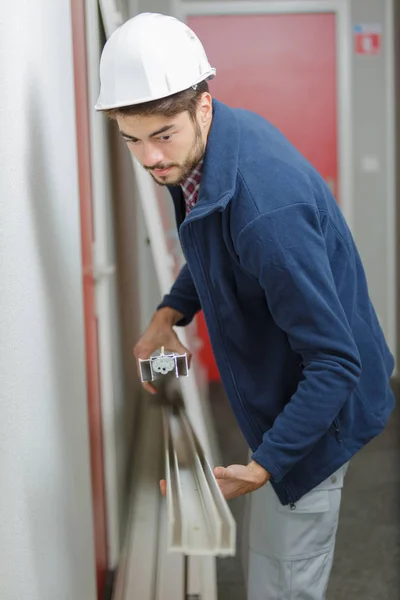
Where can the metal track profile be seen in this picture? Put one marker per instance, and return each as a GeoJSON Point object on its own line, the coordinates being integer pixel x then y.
{"type": "Point", "coordinates": [145, 565]}
{"type": "Point", "coordinates": [199, 520]}
{"type": "Point", "coordinates": [147, 569]}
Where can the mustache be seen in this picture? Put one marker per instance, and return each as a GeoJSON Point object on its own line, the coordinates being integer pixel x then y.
{"type": "Point", "coordinates": [160, 166]}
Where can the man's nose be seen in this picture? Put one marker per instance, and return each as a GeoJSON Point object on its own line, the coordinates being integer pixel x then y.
{"type": "Point", "coordinates": [152, 155]}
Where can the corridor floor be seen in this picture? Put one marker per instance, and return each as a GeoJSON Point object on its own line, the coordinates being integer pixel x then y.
{"type": "Point", "coordinates": [367, 557]}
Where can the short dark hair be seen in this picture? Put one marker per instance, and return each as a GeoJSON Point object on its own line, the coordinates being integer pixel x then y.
{"type": "Point", "coordinates": [170, 106]}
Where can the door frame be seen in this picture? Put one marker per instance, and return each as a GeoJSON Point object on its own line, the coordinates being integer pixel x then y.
{"type": "Point", "coordinates": [99, 503]}
{"type": "Point", "coordinates": [340, 8]}
{"type": "Point", "coordinates": [393, 334]}
{"type": "Point", "coordinates": [102, 272]}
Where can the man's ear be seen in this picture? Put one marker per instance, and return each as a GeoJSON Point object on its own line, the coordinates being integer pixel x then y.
{"type": "Point", "coordinates": [204, 110]}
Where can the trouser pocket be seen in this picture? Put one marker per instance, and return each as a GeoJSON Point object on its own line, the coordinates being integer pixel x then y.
{"type": "Point", "coordinates": [307, 530]}
{"type": "Point", "coordinates": [302, 579]}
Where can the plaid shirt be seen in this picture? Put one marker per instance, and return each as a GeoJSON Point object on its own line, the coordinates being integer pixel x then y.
{"type": "Point", "coordinates": [191, 186]}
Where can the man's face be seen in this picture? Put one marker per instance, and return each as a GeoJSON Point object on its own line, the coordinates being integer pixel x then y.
{"type": "Point", "coordinates": [167, 147]}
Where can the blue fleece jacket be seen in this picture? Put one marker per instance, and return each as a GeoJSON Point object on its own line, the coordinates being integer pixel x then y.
{"type": "Point", "coordinates": [272, 263]}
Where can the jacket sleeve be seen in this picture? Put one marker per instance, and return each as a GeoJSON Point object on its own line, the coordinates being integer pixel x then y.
{"type": "Point", "coordinates": [183, 297]}
{"type": "Point", "coordinates": [301, 294]}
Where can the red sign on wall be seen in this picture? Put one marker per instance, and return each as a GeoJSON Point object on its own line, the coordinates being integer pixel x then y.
{"type": "Point", "coordinates": [367, 39]}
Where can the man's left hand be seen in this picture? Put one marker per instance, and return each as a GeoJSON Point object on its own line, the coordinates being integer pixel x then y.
{"type": "Point", "coordinates": [237, 480]}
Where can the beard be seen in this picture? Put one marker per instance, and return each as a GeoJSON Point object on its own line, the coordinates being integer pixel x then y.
{"type": "Point", "coordinates": [195, 155]}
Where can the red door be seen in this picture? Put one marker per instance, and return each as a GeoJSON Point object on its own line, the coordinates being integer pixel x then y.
{"type": "Point", "coordinates": [282, 66]}
{"type": "Point", "coordinates": [91, 334]}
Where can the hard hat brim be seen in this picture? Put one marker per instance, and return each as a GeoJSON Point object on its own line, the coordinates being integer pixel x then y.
{"type": "Point", "coordinates": [122, 104]}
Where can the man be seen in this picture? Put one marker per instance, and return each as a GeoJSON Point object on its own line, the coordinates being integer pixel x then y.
{"type": "Point", "coordinates": [271, 262]}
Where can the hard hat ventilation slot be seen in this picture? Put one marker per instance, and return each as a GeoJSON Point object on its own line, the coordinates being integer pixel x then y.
{"type": "Point", "coordinates": [190, 34]}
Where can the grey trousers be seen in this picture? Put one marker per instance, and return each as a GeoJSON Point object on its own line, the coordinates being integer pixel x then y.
{"type": "Point", "coordinates": [290, 552]}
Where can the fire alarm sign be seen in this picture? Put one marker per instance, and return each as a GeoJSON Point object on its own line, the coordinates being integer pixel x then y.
{"type": "Point", "coordinates": [367, 39]}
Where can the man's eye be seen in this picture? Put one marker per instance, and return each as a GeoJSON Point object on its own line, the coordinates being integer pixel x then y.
{"type": "Point", "coordinates": [130, 141]}
{"type": "Point", "coordinates": [165, 138]}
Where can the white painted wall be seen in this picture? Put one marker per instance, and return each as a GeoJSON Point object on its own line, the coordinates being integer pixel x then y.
{"type": "Point", "coordinates": [46, 549]}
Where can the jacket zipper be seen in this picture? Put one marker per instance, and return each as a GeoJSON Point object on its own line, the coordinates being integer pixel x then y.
{"type": "Point", "coordinates": [244, 411]}
{"type": "Point", "coordinates": [292, 504]}
{"type": "Point", "coordinates": [336, 429]}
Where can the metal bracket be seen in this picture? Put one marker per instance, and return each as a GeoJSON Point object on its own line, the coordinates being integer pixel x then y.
{"type": "Point", "coordinates": [161, 363]}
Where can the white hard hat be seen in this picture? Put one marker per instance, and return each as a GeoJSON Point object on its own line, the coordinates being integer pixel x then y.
{"type": "Point", "coordinates": [149, 57]}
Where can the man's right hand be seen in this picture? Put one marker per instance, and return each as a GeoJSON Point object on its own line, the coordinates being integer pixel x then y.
{"type": "Point", "coordinates": [160, 333]}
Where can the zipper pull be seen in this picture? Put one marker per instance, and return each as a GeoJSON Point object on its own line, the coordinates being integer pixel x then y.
{"type": "Point", "coordinates": [292, 506]}
{"type": "Point", "coordinates": [337, 432]}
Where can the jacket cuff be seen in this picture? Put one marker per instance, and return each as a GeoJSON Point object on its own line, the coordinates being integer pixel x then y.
{"type": "Point", "coordinates": [188, 309]}
{"type": "Point", "coordinates": [261, 457]}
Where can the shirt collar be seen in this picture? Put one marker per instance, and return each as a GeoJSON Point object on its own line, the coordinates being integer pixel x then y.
{"type": "Point", "coordinates": [192, 181]}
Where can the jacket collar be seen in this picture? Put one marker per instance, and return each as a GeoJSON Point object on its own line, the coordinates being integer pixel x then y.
{"type": "Point", "coordinates": [220, 163]}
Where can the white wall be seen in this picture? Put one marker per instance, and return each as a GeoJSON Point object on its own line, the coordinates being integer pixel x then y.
{"type": "Point", "coordinates": [46, 549]}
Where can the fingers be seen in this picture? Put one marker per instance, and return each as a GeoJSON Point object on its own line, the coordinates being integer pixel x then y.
{"type": "Point", "coordinates": [189, 357]}
{"type": "Point", "coordinates": [149, 387]}
{"type": "Point", "coordinates": [175, 345]}
{"type": "Point", "coordinates": [163, 487]}
{"type": "Point", "coordinates": [148, 344]}
{"type": "Point", "coordinates": [143, 351]}
{"type": "Point", "coordinates": [219, 472]}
